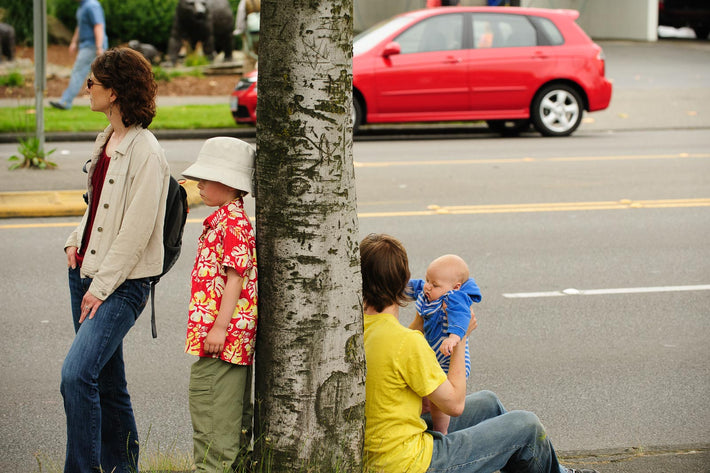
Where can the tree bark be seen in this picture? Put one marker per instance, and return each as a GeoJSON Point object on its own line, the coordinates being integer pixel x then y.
{"type": "Point", "coordinates": [310, 363]}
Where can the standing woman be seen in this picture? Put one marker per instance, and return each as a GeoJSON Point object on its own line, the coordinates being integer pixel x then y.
{"type": "Point", "coordinates": [111, 255]}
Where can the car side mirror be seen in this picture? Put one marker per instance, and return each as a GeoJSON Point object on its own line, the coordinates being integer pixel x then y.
{"type": "Point", "coordinates": [391, 49]}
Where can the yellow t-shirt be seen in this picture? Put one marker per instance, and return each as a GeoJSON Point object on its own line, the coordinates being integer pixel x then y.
{"type": "Point", "coordinates": [401, 369]}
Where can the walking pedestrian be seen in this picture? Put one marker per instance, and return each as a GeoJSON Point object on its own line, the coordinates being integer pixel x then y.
{"type": "Point", "coordinates": [89, 41]}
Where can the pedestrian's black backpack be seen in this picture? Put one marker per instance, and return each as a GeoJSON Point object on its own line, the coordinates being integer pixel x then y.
{"type": "Point", "coordinates": [176, 210]}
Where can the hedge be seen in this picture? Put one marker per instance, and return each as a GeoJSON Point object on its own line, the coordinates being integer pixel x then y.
{"type": "Point", "coordinates": [148, 21]}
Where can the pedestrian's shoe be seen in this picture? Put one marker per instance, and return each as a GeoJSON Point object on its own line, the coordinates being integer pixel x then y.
{"type": "Point", "coordinates": [58, 105]}
{"type": "Point", "coordinates": [582, 470]}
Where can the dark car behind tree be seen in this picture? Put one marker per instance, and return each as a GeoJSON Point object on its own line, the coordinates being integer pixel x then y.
{"type": "Point", "coordinates": [680, 13]}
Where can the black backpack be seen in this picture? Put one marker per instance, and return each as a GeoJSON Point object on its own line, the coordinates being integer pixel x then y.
{"type": "Point", "coordinates": [176, 209]}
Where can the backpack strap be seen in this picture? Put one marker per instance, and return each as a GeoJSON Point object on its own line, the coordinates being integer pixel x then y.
{"type": "Point", "coordinates": [153, 327]}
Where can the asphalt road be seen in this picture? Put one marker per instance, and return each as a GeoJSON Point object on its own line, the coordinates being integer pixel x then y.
{"type": "Point", "coordinates": [601, 371]}
{"type": "Point", "coordinates": [623, 204]}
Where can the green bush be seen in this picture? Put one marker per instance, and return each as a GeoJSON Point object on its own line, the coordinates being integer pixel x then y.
{"type": "Point", "coordinates": [16, 13]}
{"type": "Point", "coordinates": [64, 11]}
{"type": "Point", "coordinates": [13, 79]}
{"type": "Point", "coordinates": [148, 21]}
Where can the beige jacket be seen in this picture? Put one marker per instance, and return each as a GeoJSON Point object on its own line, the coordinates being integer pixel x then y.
{"type": "Point", "coordinates": [127, 237]}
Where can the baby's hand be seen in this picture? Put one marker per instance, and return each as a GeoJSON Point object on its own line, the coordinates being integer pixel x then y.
{"type": "Point", "coordinates": [448, 345]}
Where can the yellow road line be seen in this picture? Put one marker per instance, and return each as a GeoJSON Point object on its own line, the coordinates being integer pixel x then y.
{"type": "Point", "coordinates": [432, 210]}
{"type": "Point", "coordinates": [543, 207]}
{"type": "Point", "coordinates": [361, 164]}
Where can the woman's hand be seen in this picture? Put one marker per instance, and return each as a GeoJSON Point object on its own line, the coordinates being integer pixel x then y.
{"type": "Point", "coordinates": [71, 256]}
{"type": "Point", "coordinates": [472, 324]}
{"type": "Point", "coordinates": [89, 305]}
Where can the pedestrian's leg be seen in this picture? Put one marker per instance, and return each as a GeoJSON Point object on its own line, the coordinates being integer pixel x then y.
{"type": "Point", "coordinates": [216, 390]}
{"type": "Point", "coordinates": [119, 447]}
{"type": "Point", "coordinates": [79, 73]}
{"type": "Point", "coordinates": [81, 397]}
{"type": "Point", "coordinates": [96, 342]}
{"type": "Point", "coordinates": [119, 437]}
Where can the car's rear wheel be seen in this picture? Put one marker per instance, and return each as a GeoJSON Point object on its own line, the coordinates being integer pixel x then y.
{"type": "Point", "coordinates": [356, 114]}
{"type": "Point", "coordinates": [508, 127]}
{"type": "Point", "coordinates": [557, 110]}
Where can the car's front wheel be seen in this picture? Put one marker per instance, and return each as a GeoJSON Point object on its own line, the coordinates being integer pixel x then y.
{"type": "Point", "coordinates": [557, 110]}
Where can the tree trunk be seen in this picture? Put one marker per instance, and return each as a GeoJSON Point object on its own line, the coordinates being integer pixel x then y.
{"type": "Point", "coordinates": [310, 364]}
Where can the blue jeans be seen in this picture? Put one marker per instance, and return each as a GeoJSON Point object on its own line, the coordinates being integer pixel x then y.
{"type": "Point", "coordinates": [79, 73]}
{"type": "Point", "coordinates": [487, 438]}
{"type": "Point", "coordinates": [101, 429]}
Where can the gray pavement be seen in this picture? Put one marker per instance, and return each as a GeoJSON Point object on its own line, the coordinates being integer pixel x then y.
{"type": "Point", "coordinates": [664, 85]}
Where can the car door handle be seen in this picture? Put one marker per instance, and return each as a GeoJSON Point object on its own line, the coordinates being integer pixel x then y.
{"type": "Point", "coordinates": [452, 60]}
{"type": "Point", "coordinates": [539, 55]}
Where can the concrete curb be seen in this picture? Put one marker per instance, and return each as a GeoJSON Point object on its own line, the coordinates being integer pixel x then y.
{"type": "Point", "coordinates": [195, 134]}
{"type": "Point", "coordinates": [41, 204]}
{"type": "Point", "coordinates": [68, 203]}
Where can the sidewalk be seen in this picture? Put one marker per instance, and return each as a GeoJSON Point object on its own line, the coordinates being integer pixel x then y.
{"type": "Point", "coordinates": [690, 460]}
{"type": "Point", "coordinates": [683, 459]}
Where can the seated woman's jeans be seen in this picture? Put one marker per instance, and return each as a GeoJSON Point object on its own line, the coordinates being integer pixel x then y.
{"type": "Point", "coordinates": [487, 438]}
{"type": "Point", "coordinates": [101, 429]}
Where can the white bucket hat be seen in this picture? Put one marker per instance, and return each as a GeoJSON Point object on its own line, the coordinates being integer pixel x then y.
{"type": "Point", "coordinates": [226, 160]}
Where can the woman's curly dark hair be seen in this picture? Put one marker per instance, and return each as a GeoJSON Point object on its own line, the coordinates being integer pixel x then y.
{"type": "Point", "coordinates": [130, 75]}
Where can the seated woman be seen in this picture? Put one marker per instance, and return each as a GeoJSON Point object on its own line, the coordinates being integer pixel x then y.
{"type": "Point", "coordinates": [402, 369]}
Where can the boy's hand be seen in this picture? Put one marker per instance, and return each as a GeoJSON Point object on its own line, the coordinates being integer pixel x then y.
{"type": "Point", "coordinates": [448, 345]}
{"type": "Point", "coordinates": [214, 342]}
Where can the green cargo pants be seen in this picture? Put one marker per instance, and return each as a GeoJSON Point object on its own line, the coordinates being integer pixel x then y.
{"type": "Point", "coordinates": [220, 408]}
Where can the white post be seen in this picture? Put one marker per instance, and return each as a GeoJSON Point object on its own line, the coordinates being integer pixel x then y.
{"type": "Point", "coordinates": [40, 46]}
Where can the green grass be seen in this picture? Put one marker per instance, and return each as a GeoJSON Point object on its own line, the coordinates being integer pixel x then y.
{"type": "Point", "coordinates": [81, 118]}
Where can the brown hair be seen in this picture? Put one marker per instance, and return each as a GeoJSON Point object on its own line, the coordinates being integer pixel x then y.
{"type": "Point", "coordinates": [385, 271]}
{"type": "Point", "coordinates": [130, 76]}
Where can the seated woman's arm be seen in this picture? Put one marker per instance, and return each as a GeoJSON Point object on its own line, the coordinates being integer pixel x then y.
{"type": "Point", "coordinates": [450, 396]}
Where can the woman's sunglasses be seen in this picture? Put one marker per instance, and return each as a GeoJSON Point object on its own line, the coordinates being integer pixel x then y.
{"type": "Point", "coordinates": [90, 83]}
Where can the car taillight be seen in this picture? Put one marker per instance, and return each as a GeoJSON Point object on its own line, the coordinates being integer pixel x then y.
{"type": "Point", "coordinates": [601, 58]}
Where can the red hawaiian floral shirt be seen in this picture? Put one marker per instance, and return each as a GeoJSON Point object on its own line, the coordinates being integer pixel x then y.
{"type": "Point", "coordinates": [227, 240]}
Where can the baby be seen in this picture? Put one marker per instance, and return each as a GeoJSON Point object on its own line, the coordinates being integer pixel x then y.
{"type": "Point", "coordinates": [443, 304]}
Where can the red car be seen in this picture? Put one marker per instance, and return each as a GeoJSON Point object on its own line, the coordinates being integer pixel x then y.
{"type": "Point", "coordinates": [508, 66]}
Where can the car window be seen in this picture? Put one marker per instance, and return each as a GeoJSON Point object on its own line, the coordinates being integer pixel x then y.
{"type": "Point", "coordinates": [438, 33]}
{"type": "Point", "coordinates": [494, 30]}
{"type": "Point", "coordinates": [550, 35]}
{"type": "Point", "coordinates": [372, 36]}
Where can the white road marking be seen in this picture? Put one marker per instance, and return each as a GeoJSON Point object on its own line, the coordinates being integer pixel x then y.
{"type": "Point", "coordinates": [597, 292]}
